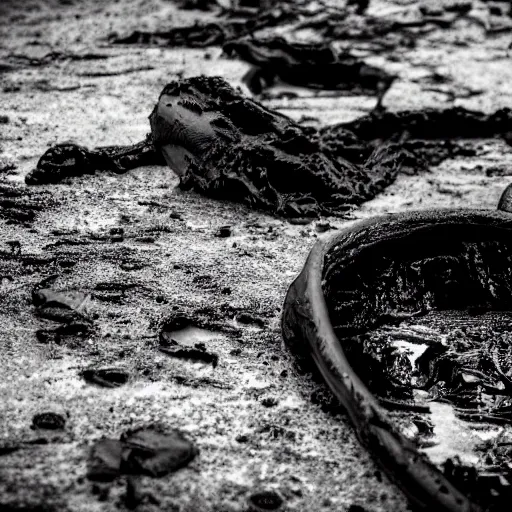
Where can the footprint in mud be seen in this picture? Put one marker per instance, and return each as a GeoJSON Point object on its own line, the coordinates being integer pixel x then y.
{"type": "Point", "coordinates": [227, 146]}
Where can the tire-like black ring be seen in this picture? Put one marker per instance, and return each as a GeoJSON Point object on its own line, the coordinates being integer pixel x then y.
{"type": "Point", "coordinates": [307, 330]}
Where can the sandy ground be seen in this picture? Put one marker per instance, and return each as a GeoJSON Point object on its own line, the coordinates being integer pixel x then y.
{"type": "Point", "coordinates": [169, 262]}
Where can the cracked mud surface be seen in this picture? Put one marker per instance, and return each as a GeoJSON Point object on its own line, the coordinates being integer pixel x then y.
{"type": "Point", "coordinates": [144, 255]}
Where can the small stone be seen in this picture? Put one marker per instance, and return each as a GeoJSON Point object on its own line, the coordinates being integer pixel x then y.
{"type": "Point", "coordinates": [49, 421]}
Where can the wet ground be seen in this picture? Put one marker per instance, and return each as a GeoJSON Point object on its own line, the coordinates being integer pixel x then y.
{"type": "Point", "coordinates": [143, 257]}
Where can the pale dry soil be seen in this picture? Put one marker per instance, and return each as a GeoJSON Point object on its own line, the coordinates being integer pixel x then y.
{"type": "Point", "coordinates": [312, 458]}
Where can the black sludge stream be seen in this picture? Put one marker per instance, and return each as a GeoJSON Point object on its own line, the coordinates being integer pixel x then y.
{"type": "Point", "coordinates": [227, 146]}
{"type": "Point", "coordinates": [408, 319]}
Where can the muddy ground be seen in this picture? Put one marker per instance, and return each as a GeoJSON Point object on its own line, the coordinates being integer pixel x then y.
{"type": "Point", "coordinates": [143, 253]}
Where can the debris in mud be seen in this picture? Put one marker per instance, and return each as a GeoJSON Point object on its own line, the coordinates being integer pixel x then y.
{"type": "Point", "coordinates": [106, 377]}
{"type": "Point", "coordinates": [154, 451]}
{"type": "Point", "coordinates": [168, 345]}
{"type": "Point", "coordinates": [316, 65]}
{"type": "Point", "coordinates": [231, 147]}
{"type": "Point", "coordinates": [48, 421]}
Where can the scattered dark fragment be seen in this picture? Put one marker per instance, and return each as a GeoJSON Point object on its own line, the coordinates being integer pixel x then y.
{"type": "Point", "coordinates": [8, 449]}
{"type": "Point", "coordinates": [248, 319]}
{"type": "Point", "coordinates": [361, 5]}
{"type": "Point", "coordinates": [48, 421]}
{"type": "Point", "coordinates": [317, 66]}
{"type": "Point", "coordinates": [224, 232]}
{"type": "Point", "coordinates": [156, 450]}
{"type": "Point", "coordinates": [202, 35]}
{"type": "Point", "coordinates": [4, 119]}
{"type": "Point", "coordinates": [145, 239]}
{"type": "Point", "coordinates": [200, 5]}
{"type": "Point", "coordinates": [198, 352]}
{"type": "Point", "coordinates": [269, 402]}
{"type": "Point", "coordinates": [104, 462]}
{"type": "Point", "coordinates": [265, 500]}
{"type": "Point", "coordinates": [106, 377]}
{"type": "Point", "coordinates": [116, 234]}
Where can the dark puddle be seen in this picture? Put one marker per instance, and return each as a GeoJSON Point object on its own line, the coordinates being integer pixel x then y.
{"type": "Point", "coordinates": [153, 451]}
{"type": "Point", "coordinates": [231, 147]}
{"type": "Point", "coordinates": [425, 319]}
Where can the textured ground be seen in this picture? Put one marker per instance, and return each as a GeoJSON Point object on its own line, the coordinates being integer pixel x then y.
{"type": "Point", "coordinates": [170, 262]}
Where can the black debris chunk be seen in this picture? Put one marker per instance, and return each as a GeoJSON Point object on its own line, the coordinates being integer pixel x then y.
{"type": "Point", "coordinates": [48, 421]}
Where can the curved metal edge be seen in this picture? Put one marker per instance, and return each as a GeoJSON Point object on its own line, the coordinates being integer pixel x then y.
{"type": "Point", "coordinates": [307, 330]}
